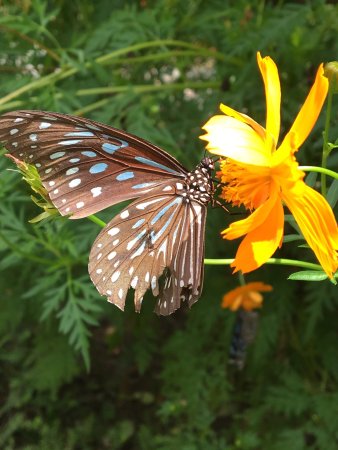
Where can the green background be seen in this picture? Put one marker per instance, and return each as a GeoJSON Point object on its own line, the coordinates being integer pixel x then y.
{"type": "Point", "coordinates": [77, 373]}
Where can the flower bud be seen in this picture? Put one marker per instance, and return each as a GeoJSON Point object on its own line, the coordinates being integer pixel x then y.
{"type": "Point", "coordinates": [331, 72]}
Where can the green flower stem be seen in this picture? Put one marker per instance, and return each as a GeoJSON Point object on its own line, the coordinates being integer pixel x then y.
{"type": "Point", "coordinates": [275, 261]}
{"type": "Point", "coordinates": [326, 148]}
{"type": "Point", "coordinates": [321, 170]}
{"type": "Point", "coordinates": [218, 262]}
{"type": "Point", "coordinates": [160, 56]}
{"type": "Point", "coordinates": [136, 89]}
{"type": "Point", "coordinates": [66, 72]}
{"type": "Point", "coordinates": [294, 262]}
{"type": "Point", "coordinates": [36, 84]}
{"type": "Point", "coordinates": [148, 88]}
{"type": "Point", "coordinates": [92, 106]}
{"type": "Point", "coordinates": [241, 279]}
{"type": "Point", "coordinates": [17, 104]}
{"type": "Point", "coordinates": [96, 220]}
{"type": "Point", "coordinates": [158, 43]}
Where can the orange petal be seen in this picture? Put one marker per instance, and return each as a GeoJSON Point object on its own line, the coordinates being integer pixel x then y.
{"type": "Point", "coordinates": [310, 110]}
{"type": "Point", "coordinates": [252, 300]}
{"type": "Point", "coordinates": [256, 219]}
{"type": "Point", "coordinates": [317, 223]}
{"type": "Point", "coordinates": [270, 76]}
{"type": "Point", "coordinates": [261, 243]}
{"type": "Point", "coordinates": [258, 286]}
{"type": "Point", "coordinates": [229, 137]}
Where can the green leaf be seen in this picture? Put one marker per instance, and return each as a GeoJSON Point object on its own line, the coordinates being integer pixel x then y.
{"type": "Point", "coordinates": [308, 275]}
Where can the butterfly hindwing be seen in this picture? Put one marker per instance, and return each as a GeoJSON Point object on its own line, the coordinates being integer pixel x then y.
{"type": "Point", "coordinates": [85, 166]}
{"type": "Point", "coordinates": [162, 234]}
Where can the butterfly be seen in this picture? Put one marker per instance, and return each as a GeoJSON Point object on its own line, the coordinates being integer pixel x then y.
{"type": "Point", "coordinates": [157, 241]}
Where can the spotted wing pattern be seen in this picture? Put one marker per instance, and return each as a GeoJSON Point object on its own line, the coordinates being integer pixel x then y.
{"type": "Point", "coordinates": [85, 166]}
{"type": "Point", "coordinates": [160, 234]}
{"type": "Point", "coordinates": [155, 243]}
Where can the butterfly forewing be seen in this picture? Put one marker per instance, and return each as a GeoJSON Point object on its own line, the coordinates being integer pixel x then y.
{"type": "Point", "coordinates": [85, 166]}
{"type": "Point", "coordinates": [147, 237]}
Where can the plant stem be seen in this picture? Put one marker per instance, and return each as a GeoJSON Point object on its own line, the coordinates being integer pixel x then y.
{"type": "Point", "coordinates": [148, 88]}
{"type": "Point", "coordinates": [96, 220]}
{"type": "Point", "coordinates": [326, 148]}
{"type": "Point", "coordinates": [66, 72]}
{"type": "Point", "coordinates": [321, 170]}
{"type": "Point", "coordinates": [276, 261]}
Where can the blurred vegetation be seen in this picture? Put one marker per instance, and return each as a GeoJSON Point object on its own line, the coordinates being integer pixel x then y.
{"type": "Point", "coordinates": [158, 69]}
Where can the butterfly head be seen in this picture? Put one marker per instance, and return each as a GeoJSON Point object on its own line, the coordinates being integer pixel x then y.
{"type": "Point", "coordinates": [207, 163]}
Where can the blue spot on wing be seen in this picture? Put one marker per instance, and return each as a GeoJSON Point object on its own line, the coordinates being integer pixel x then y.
{"type": "Point", "coordinates": [111, 148]}
{"type": "Point", "coordinates": [142, 185]}
{"type": "Point", "coordinates": [125, 176]}
{"type": "Point", "coordinates": [138, 223]}
{"type": "Point", "coordinates": [70, 142]}
{"type": "Point", "coordinates": [165, 209]}
{"type": "Point", "coordinates": [80, 134]}
{"type": "Point", "coordinates": [154, 236]}
{"type": "Point", "coordinates": [89, 154]}
{"type": "Point", "coordinates": [98, 168]}
{"type": "Point", "coordinates": [149, 162]}
{"type": "Point", "coordinates": [57, 155]}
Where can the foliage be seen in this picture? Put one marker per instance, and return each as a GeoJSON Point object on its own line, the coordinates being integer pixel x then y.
{"type": "Point", "coordinates": [158, 70]}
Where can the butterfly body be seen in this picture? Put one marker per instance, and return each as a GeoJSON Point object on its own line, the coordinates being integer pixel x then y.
{"type": "Point", "coordinates": [86, 166]}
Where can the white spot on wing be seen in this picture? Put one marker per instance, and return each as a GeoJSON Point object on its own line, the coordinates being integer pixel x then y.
{"type": "Point", "coordinates": [134, 281]}
{"type": "Point", "coordinates": [113, 231]}
{"type": "Point", "coordinates": [139, 251]}
{"type": "Point", "coordinates": [115, 276]}
{"type": "Point", "coordinates": [124, 214]}
{"type": "Point", "coordinates": [145, 204]}
{"type": "Point", "coordinates": [167, 188]}
{"type": "Point", "coordinates": [96, 191]}
{"type": "Point", "coordinates": [13, 131]}
{"type": "Point", "coordinates": [74, 182]}
{"type": "Point", "coordinates": [111, 255]}
{"type": "Point", "coordinates": [79, 205]}
{"type": "Point", "coordinates": [44, 125]}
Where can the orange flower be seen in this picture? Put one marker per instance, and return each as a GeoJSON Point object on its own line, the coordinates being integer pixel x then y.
{"type": "Point", "coordinates": [247, 297]}
{"type": "Point", "coordinates": [263, 177]}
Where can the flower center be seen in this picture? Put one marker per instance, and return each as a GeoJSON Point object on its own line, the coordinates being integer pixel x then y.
{"type": "Point", "coordinates": [246, 184]}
